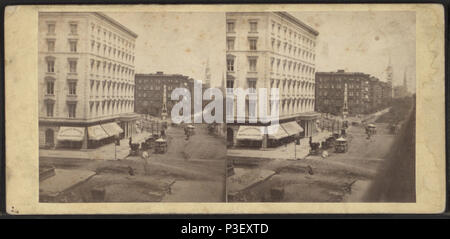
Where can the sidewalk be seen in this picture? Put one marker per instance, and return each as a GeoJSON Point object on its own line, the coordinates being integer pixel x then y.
{"type": "Point", "coordinates": [282, 152]}
{"type": "Point", "coordinates": [105, 152]}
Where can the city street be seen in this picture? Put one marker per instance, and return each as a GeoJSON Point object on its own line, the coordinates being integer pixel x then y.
{"type": "Point", "coordinates": [192, 170]}
{"type": "Point", "coordinates": [336, 178]}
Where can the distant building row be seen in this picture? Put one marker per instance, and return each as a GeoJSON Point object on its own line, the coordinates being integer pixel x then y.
{"type": "Point", "coordinates": [365, 93]}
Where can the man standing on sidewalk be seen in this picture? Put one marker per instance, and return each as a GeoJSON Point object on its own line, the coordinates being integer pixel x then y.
{"type": "Point", "coordinates": [144, 158]}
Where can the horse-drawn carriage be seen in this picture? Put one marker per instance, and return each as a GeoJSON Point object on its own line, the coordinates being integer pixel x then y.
{"type": "Point", "coordinates": [341, 145]}
{"type": "Point", "coordinates": [330, 141]}
{"type": "Point", "coordinates": [315, 147]}
{"type": "Point", "coordinates": [371, 129]}
{"type": "Point", "coordinates": [393, 128]}
{"type": "Point", "coordinates": [160, 146]}
{"type": "Point", "coordinates": [134, 149]}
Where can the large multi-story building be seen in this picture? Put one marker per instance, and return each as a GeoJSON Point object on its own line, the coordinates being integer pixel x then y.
{"type": "Point", "coordinates": [271, 50]}
{"type": "Point", "coordinates": [365, 93]}
{"type": "Point", "coordinates": [152, 88]}
{"type": "Point", "coordinates": [330, 89]}
{"type": "Point", "coordinates": [86, 79]}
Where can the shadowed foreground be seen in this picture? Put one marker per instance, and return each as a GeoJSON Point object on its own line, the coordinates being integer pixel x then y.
{"type": "Point", "coordinates": [397, 182]}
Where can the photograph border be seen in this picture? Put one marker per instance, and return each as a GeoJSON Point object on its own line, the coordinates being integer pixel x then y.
{"type": "Point", "coordinates": [20, 165]}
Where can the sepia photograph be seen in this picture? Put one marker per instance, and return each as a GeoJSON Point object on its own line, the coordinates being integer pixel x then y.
{"type": "Point", "coordinates": [346, 106]}
{"type": "Point", "coordinates": [224, 109]}
{"type": "Point", "coordinates": [106, 132]}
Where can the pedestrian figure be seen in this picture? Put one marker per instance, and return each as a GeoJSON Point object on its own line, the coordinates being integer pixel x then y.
{"type": "Point", "coordinates": [145, 157]}
{"type": "Point", "coordinates": [130, 171]}
{"type": "Point", "coordinates": [310, 170]}
{"type": "Point", "coordinates": [130, 142]}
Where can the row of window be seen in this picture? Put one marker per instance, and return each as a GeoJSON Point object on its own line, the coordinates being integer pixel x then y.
{"type": "Point", "coordinates": [71, 109]}
{"type": "Point", "coordinates": [115, 90]}
{"type": "Point", "coordinates": [51, 45]}
{"type": "Point", "coordinates": [285, 86]}
{"type": "Point", "coordinates": [292, 35]}
{"type": "Point", "coordinates": [291, 66]}
{"type": "Point", "coordinates": [149, 95]}
{"type": "Point", "coordinates": [291, 50]}
{"type": "Point", "coordinates": [289, 34]}
{"type": "Point", "coordinates": [329, 101]}
{"type": "Point", "coordinates": [110, 107]}
{"type": "Point", "coordinates": [120, 107]}
{"type": "Point", "coordinates": [112, 69]}
{"type": "Point", "coordinates": [253, 26]}
{"type": "Point", "coordinates": [51, 28]}
{"type": "Point", "coordinates": [339, 86]}
{"type": "Point", "coordinates": [112, 52]}
{"type": "Point", "coordinates": [111, 36]}
{"type": "Point", "coordinates": [252, 43]}
{"type": "Point", "coordinates": [51, 65]}
{"type": "Point", "coordinates": [111, 89]}
{"type": "Point", "coordinates": [351, 93]}
{"type": "Point", "coordinates": [286, 107]}
{"type": "Point", "coordinates": [71, 86]}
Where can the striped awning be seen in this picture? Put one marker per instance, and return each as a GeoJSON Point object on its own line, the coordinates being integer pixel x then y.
{"type": "Point", "coordinates": [70, 134]}
{"type": "Point", "coordinates": [96, 132]}
{"type": "Point", "coordinates": [292, 128]}
{"type": "Point", "coordinates": [250, 133]}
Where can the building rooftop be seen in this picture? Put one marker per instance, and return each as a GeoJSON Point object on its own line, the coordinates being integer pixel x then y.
{"type": "Point", "coordinates": [165, 76]}
{"type": "Point", "coordinates": [297, 21]}
{"type": "Point", "coordinates": [116, 23]}
{"type": "Point", "coordinates": [341, 72]}
{"type": "Point", "coordinates": [102, 16]}
{"type": "Point", "coordinates": [160, 73]}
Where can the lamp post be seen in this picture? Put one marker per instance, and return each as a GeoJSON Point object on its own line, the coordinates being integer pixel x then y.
{"type": "Point", "coordinates": [295, 150]}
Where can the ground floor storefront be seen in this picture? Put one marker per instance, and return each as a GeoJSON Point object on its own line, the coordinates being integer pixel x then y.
{"type": "Point", "coordinates": [267, 136]}
{"type": "Point", "coordinates": [85, 135]}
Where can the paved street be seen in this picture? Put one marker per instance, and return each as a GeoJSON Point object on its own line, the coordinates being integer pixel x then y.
{"type": "Point", "coordinates": [339, 177]}
{"type": "Point", "coordinates": [192, 170]}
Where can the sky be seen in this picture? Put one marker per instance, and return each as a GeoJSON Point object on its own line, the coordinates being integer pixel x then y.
{"type": "Point", "coordinates": [364, 41]}
{"type": "Point", "coordinates": [178, 43]}
{"type": "Point", "coordinates": [182, 43]}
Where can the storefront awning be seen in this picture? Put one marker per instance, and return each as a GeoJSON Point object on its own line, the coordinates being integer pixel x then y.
{"type": "Point", "coordinates": [96, 132]}
{"type": "Point", "coordinates": [118, 128]}
{"type": "Point", "coordinates": [70, 134]}
{"type": "Point", "coordinates": [250, 133]}
{"type": "Point", "coordinates": [276, 132]}
{"type": "Point", "coordinates": [292, 128]}
{"type": "Point", "coordinates": [141, 137]}
{"type": "Point", "coordinates": [112, 129]}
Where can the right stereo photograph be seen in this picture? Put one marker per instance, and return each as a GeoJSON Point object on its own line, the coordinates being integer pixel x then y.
{"type": "Point", "coordinates": [320, 106]}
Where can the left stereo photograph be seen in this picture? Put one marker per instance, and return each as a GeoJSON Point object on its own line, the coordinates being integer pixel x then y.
{"type": "Point", "coordinates": [123, 107]}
